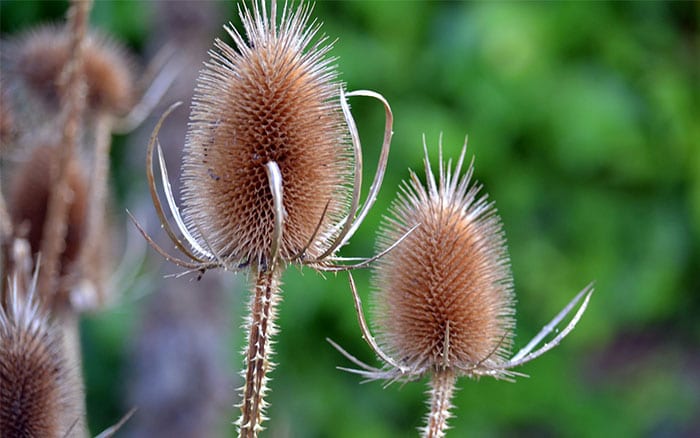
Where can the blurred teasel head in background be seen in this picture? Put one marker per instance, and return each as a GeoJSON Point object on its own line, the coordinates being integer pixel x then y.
{"type": "Point", "coordinates": [29, 191]}
{"type": "Point", "coordinates": [35, 61]}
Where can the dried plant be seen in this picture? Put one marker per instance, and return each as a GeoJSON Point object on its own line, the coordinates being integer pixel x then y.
{"type": "Point", "coordinates": [272, 171]}
{"type": "Point", "coordinates": [444, 297]}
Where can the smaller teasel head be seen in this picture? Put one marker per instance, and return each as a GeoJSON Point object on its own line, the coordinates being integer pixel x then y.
{"type": "Point", "coordinates": [35, 62]}
{"type": "Point", "coordinates": [272, 162]}
{"type": "Point", "coordinates": [444, 296]}
{"type": "Point", "coordinates": [39, 395]}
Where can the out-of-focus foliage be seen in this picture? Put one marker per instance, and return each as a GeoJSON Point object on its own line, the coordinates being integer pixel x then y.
{"type": "Point", "coordinates": [584, 121]}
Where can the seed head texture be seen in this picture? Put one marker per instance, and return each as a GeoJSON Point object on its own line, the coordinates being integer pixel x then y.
{"type": "Point", "coordinates": [443, 298]}
{"type": "Point", "coordinates": [273, 98]}
{"type": "Point", "coordinates": [36, 391]}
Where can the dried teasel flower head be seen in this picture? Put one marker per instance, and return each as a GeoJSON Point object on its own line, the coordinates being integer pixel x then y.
{"type": "Point", "coordinates": [275, 98]}
{"type": "Point", "coordinates": [444, 296]}
{"type": "Point", "coordinates": [39, 395]}
{"type": "Point", "coordinates": [30, 189]}
{"type": "Point", "coordinates": [36, 60]}
{"type": "Point", "coordinates": [272, 160]}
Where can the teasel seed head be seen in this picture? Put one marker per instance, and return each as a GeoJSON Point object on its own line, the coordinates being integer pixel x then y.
{"type": "Point", "coordinates": [37, 389]}
{"type": "Point", "coordinates": [444, 297]}
{"type": "Point", "coordinates": [274, 98]}
{"type": "Point", "coordinates": [30, 189]}
{"type": "Point", "coordinates": [36, 61]}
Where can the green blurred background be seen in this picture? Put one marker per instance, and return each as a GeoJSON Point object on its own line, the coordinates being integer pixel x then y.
{"type": "Point", "coordinates": [584, 119]}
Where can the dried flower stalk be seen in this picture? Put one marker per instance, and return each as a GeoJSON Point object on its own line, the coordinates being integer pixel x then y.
{"type": "Point", "coordinates": [73, 105]}
{"type": "Point", "coordinates": [272, 171]}
{"type": "Point", "coordinates": [444, 297]}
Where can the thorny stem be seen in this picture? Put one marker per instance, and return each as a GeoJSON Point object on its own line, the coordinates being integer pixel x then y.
{"type": "Point", "coordinates": [73, 103]}
{"type": "Point", "coordinates": [261, 328]}
{"type": "Point", "coordinates": [442, 387]}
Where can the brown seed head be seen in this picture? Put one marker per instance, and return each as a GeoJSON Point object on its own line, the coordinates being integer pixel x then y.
{"type": "Point", "coordinates": [443, 297]}
{"type": "Point", "coordinates": [273, 98]}
{"type": "Point", "coordinates": [30, 189]}
{"type": "Point", "coordinates": [37, 59]}
{"type": "Point", "coordinates": [35, 386]}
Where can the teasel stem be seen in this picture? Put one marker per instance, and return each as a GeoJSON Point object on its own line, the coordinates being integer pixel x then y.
{"type": "Point", "coordinates": [73, 104]}
{"type": "Point", "coordinates": [442, 388]}
{"type": "Point", "coordinates": [261, 328]}
{"type": "Point", "coordinates": [90, 255]}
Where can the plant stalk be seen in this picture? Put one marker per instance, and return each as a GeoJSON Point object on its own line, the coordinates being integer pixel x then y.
{"type": "Point", "coordinates": [442, 387]}
{"type": "Point", "coordinates": [73, 105]}
{"type": "Point", "coordinates": [261, 328]}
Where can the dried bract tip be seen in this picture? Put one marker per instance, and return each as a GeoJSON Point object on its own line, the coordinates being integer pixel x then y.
{"type": "Point", "coordinates": [444, 297]}
{"type": "Point", "coordinates": [37, 60]}
{"type": "Point", "coordinates": [274, 98]}
{"type": "Point", "coordinates": [30, 189]}
{"type": "Point", "coordinates": [36, 389]}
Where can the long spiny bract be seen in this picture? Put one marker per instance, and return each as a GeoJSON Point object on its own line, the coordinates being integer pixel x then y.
{"type": "Point", "coordinates": [273, 98]}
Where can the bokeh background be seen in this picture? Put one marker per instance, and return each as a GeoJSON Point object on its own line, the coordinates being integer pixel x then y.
{"type": "Point", "coordinates": [584, 118]}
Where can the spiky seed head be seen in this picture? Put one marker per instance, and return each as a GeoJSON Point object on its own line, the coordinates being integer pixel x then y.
{"type": "Point", "coordinates": [38, 57]}
{"type": "Point", "coordinates": [36, 388]}
{"type": "Point", "coordinates": [30, 190]}
{"type": "Point", "coordinates": [275, 97]}
{"type": "Point", "coordinates": [443, 297]}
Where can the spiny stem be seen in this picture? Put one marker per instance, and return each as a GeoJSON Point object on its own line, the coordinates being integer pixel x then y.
{"type": "Point", "coordinates": [442, 387]}
{"type": "Point", "coordinates": [261, 328]}
{"type": "Point", "coordinates": [73, 103]}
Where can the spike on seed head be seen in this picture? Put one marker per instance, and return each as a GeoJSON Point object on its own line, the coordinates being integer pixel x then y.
{"type": "Point", "coordinates": [274, 98]}
{"type": "Point", "coordinates": [38, 58]}
{"type": "Point", "coordinates": [444, 296]}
